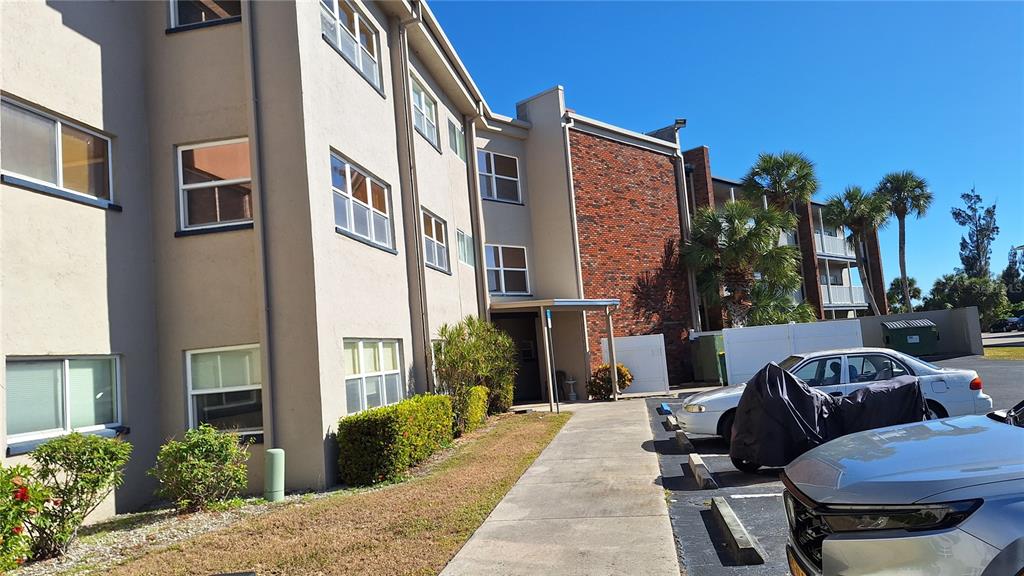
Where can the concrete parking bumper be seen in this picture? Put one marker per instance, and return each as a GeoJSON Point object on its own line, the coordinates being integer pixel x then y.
{"type": "Point", "coordinates": [589, 504]}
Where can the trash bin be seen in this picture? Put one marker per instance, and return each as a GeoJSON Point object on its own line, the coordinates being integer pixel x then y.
{"type": "Point", "coordinates": [914, 337]}
{"type": "Point", "coordinates": [706, 364]}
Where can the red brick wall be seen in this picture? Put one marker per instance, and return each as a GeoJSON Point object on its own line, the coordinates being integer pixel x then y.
{"type": "Point", "coordinates": [703, 191]}
{"type": "Point", "coordinates": [627, 216]}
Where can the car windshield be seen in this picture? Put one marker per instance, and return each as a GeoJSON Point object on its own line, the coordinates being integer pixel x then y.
{"type": "Point", "coordinates": [788, 363]}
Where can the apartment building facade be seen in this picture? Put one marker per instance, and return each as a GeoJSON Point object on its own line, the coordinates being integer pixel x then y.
{"type": "Point", "coordinates": [831, 281]}
{"type": "Point", "coordinates": [257, 215]}
{"type": "Point", "coordinates": [247, 214]}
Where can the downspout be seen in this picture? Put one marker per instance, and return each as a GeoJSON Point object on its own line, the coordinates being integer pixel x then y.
{"type": "Point", "coordinates": [679, 165]}
{"type": "Point", "coordinates": [412, 222]}
{"type": "Point", "coordinates": [256, 156]}
{"type": "Point", "coordinates": [568, 123]}
{"type": "Point", "coordinates": [477, 211]}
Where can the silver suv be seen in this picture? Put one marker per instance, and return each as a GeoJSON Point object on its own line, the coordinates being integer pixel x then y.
{"type": "Point", "coordinates": [941, 497]}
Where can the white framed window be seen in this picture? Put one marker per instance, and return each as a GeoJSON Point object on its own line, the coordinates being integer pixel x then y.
{"type": "Point", "coordinates": [44, 149]}
{"type": "Point", "coordinates": [435, 242]}
{"type": "Point", "coordinates": [354, 36]}
{"type": "Point", "coordinates": [186, 12]}
{"type": "Point", "coordinates": [457, 139]}
{"type": "Point", "coordinates": [499, 177]}
{"type": "Point", "coordinates": [49, 396]}
{"type": "Point", "coordinates": [424, 108]}
{"type": "Point", "coordinates": [362, 203]}
{"type": "Point", "coordinates": [467, 250]}
{"type": "Point", "coordinates": [214, 184]}
{"type": "Point", "coordinates": [506, 269]}
{"type": "Point", "coordinates": [225, 388]}
{"type": "Point", "coordinates": [373, 373]}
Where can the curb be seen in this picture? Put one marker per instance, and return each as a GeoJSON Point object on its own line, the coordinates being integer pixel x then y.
{"type": "Point", "coordinates": [701, 473]}
{"type": "Point", "coordinates": [746, 550]}
{"type": "Point", "coordinates": [684, 443]}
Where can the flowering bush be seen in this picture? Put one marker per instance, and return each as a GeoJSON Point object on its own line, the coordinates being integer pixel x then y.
{"type": "Point", "coordinates": [599, 387]}
{"type": "Point", "coordinates": [204, 469]}
{"type": "Point", "coordinates": [20, 500]}
{"type": "Point", "coordinates": [79, 471]}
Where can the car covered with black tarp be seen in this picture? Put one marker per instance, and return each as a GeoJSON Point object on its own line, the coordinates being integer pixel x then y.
{"type": "Point", "coordinates": [779, 417]}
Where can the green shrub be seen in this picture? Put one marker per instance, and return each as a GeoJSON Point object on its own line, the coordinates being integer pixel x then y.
{"type": "Point", "coordinates": [207, 467]}
{"type": "Point", "coordinates": [21, 499]}
{"type": "Point", "coordinates": [78, 471]}
{"type": "Point", "coordinates": [476, 407]}
{"type": "Point", "coordinates": [599, 387]}
{"type": "Point", "coordinates": [475, 352]}
{"type": "Point", "coordinates": [380, 444]}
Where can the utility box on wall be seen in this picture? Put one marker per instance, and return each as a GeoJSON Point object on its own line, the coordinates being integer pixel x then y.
{"type": "Point", "coordinates": [914, 337]}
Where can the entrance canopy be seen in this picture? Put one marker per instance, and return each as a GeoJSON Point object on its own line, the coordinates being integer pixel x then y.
{"type": "Point", "coordinates": [546, 307]}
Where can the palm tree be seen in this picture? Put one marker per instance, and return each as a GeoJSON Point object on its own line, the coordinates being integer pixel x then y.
{"type": "Point", "coordinates": [781, 179]}
{"type": "Point", "coordinates": [908, 195]}
{"type": "Point", "coordinates": [737, 249]}
{"type": "Point", "coordinates": [895, 293]}
{"type": "Point", "coordinates": [862, 214]}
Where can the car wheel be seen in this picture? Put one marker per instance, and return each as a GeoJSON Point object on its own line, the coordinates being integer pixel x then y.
{"type": "Point", "coordinates": [725, 426]}
{"type": "Point", "coordinates": [745, 465]}
{"type": "Point", "coordinates": [936, 411]}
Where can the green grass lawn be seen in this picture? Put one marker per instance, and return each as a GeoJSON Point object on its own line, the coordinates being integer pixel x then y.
{"type": "Point", "coordinates": [1005, 352]}
{"type": "Point", "coordinates": [413, 527]}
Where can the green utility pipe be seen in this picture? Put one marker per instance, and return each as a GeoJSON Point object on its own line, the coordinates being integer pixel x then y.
{"type": "Point", "coordinates": [273, 477]}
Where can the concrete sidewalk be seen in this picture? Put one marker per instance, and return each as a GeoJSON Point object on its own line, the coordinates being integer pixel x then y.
{"type": "Point", "coordinates": [588, 505]}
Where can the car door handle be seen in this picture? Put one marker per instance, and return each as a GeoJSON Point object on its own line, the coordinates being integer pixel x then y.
{"type": "Point", "coordinates": [835, 393]}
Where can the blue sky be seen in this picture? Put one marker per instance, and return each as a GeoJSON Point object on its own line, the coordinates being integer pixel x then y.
{"type": "Point", "coordinates": [861, 88]}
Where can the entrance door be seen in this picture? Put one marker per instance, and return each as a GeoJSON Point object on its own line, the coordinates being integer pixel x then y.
{"type": "Point", "coordinates": [522, 327]}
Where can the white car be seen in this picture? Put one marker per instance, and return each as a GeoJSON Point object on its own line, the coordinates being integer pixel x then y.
{"type": "Point", "coordinates": [949, 391]}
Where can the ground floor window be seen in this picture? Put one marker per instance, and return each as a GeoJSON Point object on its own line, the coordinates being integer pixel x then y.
{"type": "Point", "coordinates": [225, 388]}
{"type": "Point", "coordinates": [54, 396]}
{"type": "Point", "coordinates": [373, 374]}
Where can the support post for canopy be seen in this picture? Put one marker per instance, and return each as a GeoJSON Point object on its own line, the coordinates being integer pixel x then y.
{"type": "Point", "coordinates": [611, 353]}
{"type": "Point", "coordinates": [546, 337]}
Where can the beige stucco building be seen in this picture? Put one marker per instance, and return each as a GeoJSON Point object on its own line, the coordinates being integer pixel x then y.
{"type": "Point", "coordinates": [242, 213]}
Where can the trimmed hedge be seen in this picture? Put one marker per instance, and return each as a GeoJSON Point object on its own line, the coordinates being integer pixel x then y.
{"type": "Point", "coordinates": [476, 408]}
{"type": "Point", "coordinates": [380, 444]}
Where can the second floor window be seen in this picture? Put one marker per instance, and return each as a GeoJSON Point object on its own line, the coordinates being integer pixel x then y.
{"type": "Point", "coordinates": [353, 35]}
{"type": "Point", "coordinates": [53, 152]}
{"type": "Point", "coordinates": [499, 176]}
{"type": "Point", "coordinates": [186, 12]}
{"type": "Point", "coordinates": [214, 184]}
{"type": "Point", "coordinates": [435, 243]}
{"type": "Point", "coordinates": [467, 252]}
{"type": "Point", "coordinates": [506, 270]}
{"type": "Point", "coordinates": [424, 109]}
{"type": "Point", "coordinates": [362, 206]}
{"type": "Point", "coordinates": [457, 140]}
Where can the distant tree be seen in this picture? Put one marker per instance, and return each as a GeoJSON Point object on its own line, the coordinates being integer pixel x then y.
{"type": "Point", "coordinates": [737, 250]}
{"type": "Point", "coordinates": [895, 294]}
{"type": "Point", "coordinates": [976, 247]}
{"type": "Point", "coordinates": [1013, 277]}
{"type": "Point", "coordinates": [862, 214]}
{"type": "Point", "coordinates": [908, 196]}
{"type": "Point", "coordinates": [960, 290]}
{"type": "Point", "coordinates": [782, 179]}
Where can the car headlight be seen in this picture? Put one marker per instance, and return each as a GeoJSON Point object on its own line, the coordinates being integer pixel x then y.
{"type": "Point", "coordinates": [694, 408]}
{"type": "Point", "coordinates": [911, 518]}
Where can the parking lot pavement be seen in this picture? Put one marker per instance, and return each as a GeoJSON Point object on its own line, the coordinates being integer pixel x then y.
{"type": "Point", "coordinates": [1003, 379]}
{"type": "Point", "coordinates": [755, 498]}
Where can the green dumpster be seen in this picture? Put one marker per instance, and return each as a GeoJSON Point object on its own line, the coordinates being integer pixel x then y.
{"type": "Point", "coordinates": [914, 337]}
{"type": "Point", "coordinates": [706, 365]}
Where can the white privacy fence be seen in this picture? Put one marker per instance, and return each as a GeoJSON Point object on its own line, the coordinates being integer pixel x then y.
{"type": "Point", "coordinates": [747, 350]}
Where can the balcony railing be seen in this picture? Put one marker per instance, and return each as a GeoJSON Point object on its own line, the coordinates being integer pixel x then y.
{"type": "Point", "coordinates": [787, 238]}
{"type": "Point", "coordinates": [842, 294]}
{"type": "Point", "coordinates": [834, 245]}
